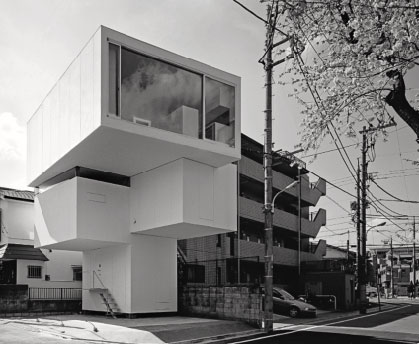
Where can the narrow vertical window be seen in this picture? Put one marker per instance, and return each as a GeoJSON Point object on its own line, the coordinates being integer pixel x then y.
{"type": "Point", "coordinates": [219, 112]}
{"type": "Point", "coordinates": [114, 79]}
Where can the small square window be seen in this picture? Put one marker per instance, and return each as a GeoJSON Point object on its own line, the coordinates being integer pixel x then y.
{"type": "Point", "coordinates": [77, 274]}
{"type": "Point", "coordinates": [34, 271]}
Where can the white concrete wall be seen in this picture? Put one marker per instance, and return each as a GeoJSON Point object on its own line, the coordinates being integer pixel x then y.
{"type": "Point", "coordinates": [112, 267]}
{"type": "Point", "coordinates": [154, 274]}
{"type": "Point", "coordinates": [69, 113]}
{"type": "Point", "coordinates": [184, 195]}
{"type": "Point", "coordinates": [80, 212]}
{"type": "Point", "coordinates": [17, 219]}
{"type": "Point", "coordinates": [56, 214]}
{"type": "Point", "coordinates": [102, 211]}
{"type": "Point", "coordinates": [156, 197]}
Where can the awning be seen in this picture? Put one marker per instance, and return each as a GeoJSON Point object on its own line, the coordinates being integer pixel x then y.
{"type": "Point", "coordinates": [16, 251]}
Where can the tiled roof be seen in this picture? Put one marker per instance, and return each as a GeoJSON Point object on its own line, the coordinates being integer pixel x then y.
{"type": "Point", "coordinates": [16, 194]}
{"type": "Point", "coordinates": [16, 251]}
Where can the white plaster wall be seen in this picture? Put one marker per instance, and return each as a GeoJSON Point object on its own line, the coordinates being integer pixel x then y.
{"type": "Point", "coordinates": [22, 273]}
{"type": "Point", "coordinates": [69, 112]}
{"type": "Point", "coordinates": [59, 268]}
{"type": "Point", "coordinates": [18, 222]}
{"type": "Point", "coordinates": [154, 274]}
{"type": "Point", "coordinates": [102, 211]}
{"type": "Point", "coordinates": [60, 271]}
{"type": "Point", "coordinates": [112, 266]}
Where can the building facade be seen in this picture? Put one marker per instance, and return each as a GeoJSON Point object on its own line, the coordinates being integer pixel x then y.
{"type": "Point", "coordinates": [132, 150]}
{"type": "Point", "coordinates": [398, 274]}
{"type": "Point", "coordinates": [20, 262]}
{"type": "Point", "coordinates": [239, 257]}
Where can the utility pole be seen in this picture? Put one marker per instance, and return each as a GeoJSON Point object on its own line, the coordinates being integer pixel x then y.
{"type": "Point", "coordinates": [414, 257]}
{"type": "Point", "coordinates": [347, 250]}
{"type": "Point", "coordinates": [362, 252]}
{"type": "Point", "coordinates": [267, 165]}
{"type": "Point", "coordinates": [391, 267]}
{"type": "Point", "coordinates": [299, 226]}
{"type": "Point", "coordinates": [363, 242]}
{"type": "Point", "coordinates": [358, 230]}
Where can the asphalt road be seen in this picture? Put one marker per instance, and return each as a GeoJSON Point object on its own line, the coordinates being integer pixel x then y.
{"type": "Point", "coordinates": [396, 325]}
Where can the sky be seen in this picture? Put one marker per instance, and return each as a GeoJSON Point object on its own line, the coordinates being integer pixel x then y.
{"type": "Point", "coordinates": [39, 39]}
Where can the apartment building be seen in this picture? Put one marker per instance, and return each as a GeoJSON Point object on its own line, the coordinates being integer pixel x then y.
{"type": "Point", "coordinates": [20, 262]}
{"type": "Point", "coordinates": [131, 150]}
{"type": "Point", "coordinates": [398, 273]}
{"type": "Point", "coordinates": [239, 257]}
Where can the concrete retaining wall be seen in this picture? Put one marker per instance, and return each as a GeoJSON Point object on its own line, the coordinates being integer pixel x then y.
{"type": "Point", "coordinates": [14, 301]}
{"type": "Point", "coordinates": [242, 303]}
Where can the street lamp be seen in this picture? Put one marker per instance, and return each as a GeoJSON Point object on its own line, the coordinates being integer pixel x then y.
{"type": "Point", "coordinates": [280, 192]}
{"type": "Point", "coordinates": [379, 225]}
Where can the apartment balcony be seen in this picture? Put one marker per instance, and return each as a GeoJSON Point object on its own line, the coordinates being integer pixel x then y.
{"type": "Point", "coordinates": [282, 255]}
{"type": "Point", "coordinates": [105, 115]}
{"type": "Point", "coordinates": [310, 192]}
{"type": "Point", "coordinates": [309, 227]}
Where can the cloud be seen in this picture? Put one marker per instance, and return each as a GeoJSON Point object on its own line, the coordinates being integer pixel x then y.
{"type": "Point", "coordinates": [12, 152]}
{"type": "Point", "coordinates": [12, 138]}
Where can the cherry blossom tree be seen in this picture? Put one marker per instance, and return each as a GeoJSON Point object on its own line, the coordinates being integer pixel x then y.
{"type": "Point", "coordinates": [353, 58]}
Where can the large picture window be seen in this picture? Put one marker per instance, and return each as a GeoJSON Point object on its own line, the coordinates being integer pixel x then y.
{"type": "Point", "coordinates": [147, 91]}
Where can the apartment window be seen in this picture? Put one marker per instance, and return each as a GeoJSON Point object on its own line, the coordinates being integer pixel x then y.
{"type": "Point", "coordinates": [34, 271]}
{"type": "Point", "coordinates": [77, 273]}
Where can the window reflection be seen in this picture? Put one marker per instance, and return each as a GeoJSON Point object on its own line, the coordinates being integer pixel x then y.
{"type": "Point", "coordinates": [219, 112]}
{"type": "Point", "coordinates": [114, 79]}
{"type": "Point", "coordinates": [160, 95]}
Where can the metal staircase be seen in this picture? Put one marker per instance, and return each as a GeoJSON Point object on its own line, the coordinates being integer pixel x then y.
{"type": "Point", "coordinates": [106, 296]}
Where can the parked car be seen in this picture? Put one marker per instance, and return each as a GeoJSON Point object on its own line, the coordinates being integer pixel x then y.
{"type": "Point", "coordinates": [371, 291]}
{"type": "Point", "coordinates": [285, 303]}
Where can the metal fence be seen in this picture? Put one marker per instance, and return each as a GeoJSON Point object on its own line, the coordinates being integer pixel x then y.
{"type": "Point", "coordinates": [221, 272]}
{"type": "Point", "coordinates": [55, 293]}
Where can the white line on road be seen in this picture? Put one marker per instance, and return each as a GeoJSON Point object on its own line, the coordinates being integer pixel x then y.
{"type": "Point", "coordinates": [316, 326]}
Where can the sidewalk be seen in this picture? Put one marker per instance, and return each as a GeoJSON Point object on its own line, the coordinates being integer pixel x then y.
{"type": "Point", "coordinates": [100, 329]}
{"type": "Point", "coordinates": [156, 330]}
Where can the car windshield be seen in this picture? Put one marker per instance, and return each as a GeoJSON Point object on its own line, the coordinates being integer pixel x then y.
{"type": "Point", "coordinates": [286, 295]}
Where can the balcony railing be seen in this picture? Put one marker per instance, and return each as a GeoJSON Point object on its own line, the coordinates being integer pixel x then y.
{"type": "Point", "coordinates": [253, 210]}
{"type": "Point", "coordinates": [282, 255]}
{"type": "Point", "coordinates": [310, 192]}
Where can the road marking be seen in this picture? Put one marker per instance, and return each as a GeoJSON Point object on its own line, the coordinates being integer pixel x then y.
{"type": "Point", "coordinates": [315, 326]}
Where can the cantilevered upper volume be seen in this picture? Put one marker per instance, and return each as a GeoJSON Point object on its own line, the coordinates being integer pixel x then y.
{"type": "Point", "coordinates": [126, 107]}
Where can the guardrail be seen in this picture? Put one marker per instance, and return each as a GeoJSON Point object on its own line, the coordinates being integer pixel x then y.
{"type": "Point", "coordinates": [55, 293]}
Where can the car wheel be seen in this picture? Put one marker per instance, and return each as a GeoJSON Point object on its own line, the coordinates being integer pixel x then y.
{"type": "Point", "coordinates": [293, 312]}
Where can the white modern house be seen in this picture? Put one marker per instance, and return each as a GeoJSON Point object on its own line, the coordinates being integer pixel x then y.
{"type": "Point", "coordinates": [20, 262]}
{"type": "Point", "coordinates": [131, 150]}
